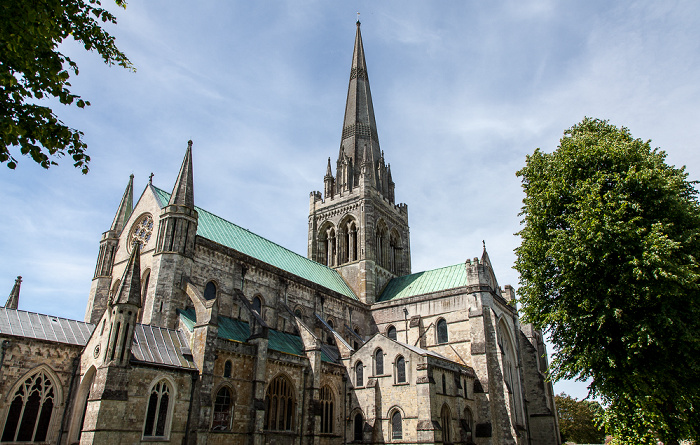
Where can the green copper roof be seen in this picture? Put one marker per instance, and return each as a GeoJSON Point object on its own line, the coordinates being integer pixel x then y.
{"type": "Point", "coordinates": [237, 330]}
{"type": "Point", "coordinates": [435, 280]}
{"type": "Point", "coordinates": [230, 235]}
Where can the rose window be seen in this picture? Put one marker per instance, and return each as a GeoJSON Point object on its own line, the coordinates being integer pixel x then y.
{"type": "Point", "coordinates": [142, 231]}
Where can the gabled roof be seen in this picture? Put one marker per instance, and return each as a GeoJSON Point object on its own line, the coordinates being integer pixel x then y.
{"type": "Point", "coordinates": [44, 327]}
{"type": "Point", "coordinates": [161, 346]}
{"type": "Point", "coordinates": [420, 283]}
{"type": "Point", "coordinates": [230, 235]}
{"type": "Point", "coordinates": [238, 330]}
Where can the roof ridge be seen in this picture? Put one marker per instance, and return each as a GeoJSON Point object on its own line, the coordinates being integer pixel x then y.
{"type": "Point", "coordinates": [429, 270]}
{"type": "Point", "coordinates": [47, 315]}
{"type": "Point", "coordinates": [252, 233]}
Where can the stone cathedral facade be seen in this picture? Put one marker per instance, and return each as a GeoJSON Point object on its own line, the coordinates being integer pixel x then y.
{"type": "Point", "coordinates": [200, 332]}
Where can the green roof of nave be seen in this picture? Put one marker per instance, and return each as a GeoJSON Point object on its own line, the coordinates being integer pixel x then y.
{"type": "Point", "coordinates": [228, 234]}
{"type": "Point", "coordinates": [427, 282]}
{"type": "Point", "coordinates": [237, 330]}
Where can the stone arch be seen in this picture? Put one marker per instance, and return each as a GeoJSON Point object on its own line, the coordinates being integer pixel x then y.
{"type": "Point", "coordinates": [509, 366]}
{"type": "Point", "coordinates": [358, 426]}
{"type": "Point", "coordinates": [224, 407]}
{"type": "Point", "coordinates": [327, 245]}
{"type": "Point", "coordinates": [38, 386]}
{"type": "Point", "coordinates": [80, 406]}
{"type": "Point", "coordinates": [348, 239]}
{"type": "Point", "coordinates": [115, 287]}
{"type": "Point", "coordinates": [258, 304]}
{"type": "Point", "coordinates": [396, 416]}
{"type": "Point", "coordinates": [161, 396]}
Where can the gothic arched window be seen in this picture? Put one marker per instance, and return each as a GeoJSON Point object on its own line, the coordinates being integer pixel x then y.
{"type": "Point", "coordinates": [30, 411]}
{"type": "Point", "coordinates": [396, 427]}
{"type": "Point", "coordinates": [445, 420]}
{"type": "Point", "coordinates": [330, 338]}
{"type": "Point", "coordinates": [210, 291]}
{"type": "Point", "coordinates": [327, 413]}
{"type": "Point", "coordinates": [400, 370]}
{"type": "Point", "coordinates": [223, 410]}
{"type": "Point", "coordinates": [359, 378]}
{"type": "Point", "coordinates": [442, 331]}
{"type": "Point", "coordinates": [158, 412]}
{"type": "Point", "coordinates": [379, 362]}
{"type": "Point", "coordinates": [227, 369]}
{"type": "Point", "coordinates": [280, 405]}
{"type": "Point", "coordinates": [391, 332]}
{"type": "Point", "coordinates": [358, 427]}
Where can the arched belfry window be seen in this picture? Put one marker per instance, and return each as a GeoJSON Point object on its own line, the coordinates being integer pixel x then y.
{"type": "Point", "coordinates": [280, 405]}
{"type": "Point", "coordinates": [379, 362]}
{"type": "Point", "coordinates": [327, 413]}
{"type": "Point", "coordinates": [395, 252]}
{"type": "Point", "coordinates": [382, 246]}
{"type": "Point", "coordinates": [223, 410]}
{"type": "Point", "coordinates": [29, 413]}
{"type": "Point", "coordinates": [157, 423]}
{"type": "Point", "coordinates": [396, 426]}
{"type": "Point", "coordinates": [442, 331]}
{"type": "Point", "coordinates": [391, 332]}
{"type": "Point", "coordinates": [210, 291]}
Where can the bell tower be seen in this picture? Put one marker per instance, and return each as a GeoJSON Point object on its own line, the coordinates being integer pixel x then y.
{"type": "Point", "coordinates": [355, 226]}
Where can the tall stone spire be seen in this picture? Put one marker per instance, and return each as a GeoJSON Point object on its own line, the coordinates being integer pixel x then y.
{"type": "Point", "coordinates": [13, 299]}
{"type": "Point", "coordinates": [126, 205]}
{"type": "Point", "coordinates": [359, 126]}
{"type": "Point", "coordinates": [183, 192]}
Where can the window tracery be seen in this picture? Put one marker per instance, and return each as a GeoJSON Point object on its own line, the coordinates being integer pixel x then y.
{"type": "Point", "coordinates": [141, 231]}
{"type": "Point", "coordinates": [158, 411]}
{"type": "Point", "coordinates": [280, 405]}
{"type": "Point", "coordinates": [223, 410]}
{"type": "Point", "coordinates": [327, 413]}
{"type": "Point", "coordinates": [29, 415]}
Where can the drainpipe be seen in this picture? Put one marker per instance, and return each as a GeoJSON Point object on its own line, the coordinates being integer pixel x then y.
{"type": "Point", "coordinates": [189, 410]}
{"type": "Point", "coordinates": [303, 406]}
{"type": "Point", "coordinates": [76, 362]}
{"type": "Point", "coordinates": [405, 319]}
{"type": "Point", "coordinates": [345, 407]}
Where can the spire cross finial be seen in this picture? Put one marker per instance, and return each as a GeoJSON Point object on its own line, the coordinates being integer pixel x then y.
{"type": "Point", "coordinates": [358, 18]}
{"type": "Point", "coordinates": [150, 179]}
{"type": "Point", "coordinates": [484, 243]}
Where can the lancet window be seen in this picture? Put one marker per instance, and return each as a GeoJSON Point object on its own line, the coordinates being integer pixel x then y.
{"type": "Point", "coordinates": [158, 411]}
{"type": "Point", "coordinates": [327, 412]}
{"type": "Point", "coordinates": [280, 405]}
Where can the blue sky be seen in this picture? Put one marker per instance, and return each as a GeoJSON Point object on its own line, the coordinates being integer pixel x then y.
{"type": "Point", "coordinates": [462, 90]}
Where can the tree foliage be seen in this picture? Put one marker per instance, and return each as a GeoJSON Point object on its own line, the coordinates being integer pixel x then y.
{"type": "Point", "coordinates": [609, 268]}
{"type": "Point", "coordinates": [578, 420]}
{"type": "Point", "coordinates": [32, 69]}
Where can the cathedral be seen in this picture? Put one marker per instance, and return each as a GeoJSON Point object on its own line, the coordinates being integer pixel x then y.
{"type": "Point", "coordinates": [198, 331]}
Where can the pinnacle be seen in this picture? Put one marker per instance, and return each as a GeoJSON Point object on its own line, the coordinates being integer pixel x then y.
{"type": "Point", "coordinates": [183, 192]}
{"type": "Point", "coordinates": [13, 299]}
{"type": "Point", "coordinates": [125, 207]}
{"type": "Point", "coordinates": [129, 291]}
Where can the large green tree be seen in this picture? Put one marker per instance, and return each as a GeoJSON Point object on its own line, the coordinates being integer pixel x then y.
{"type": "Point", "coordinates": [33, 69]}
{"type": "Point", "coordinates": [578, 419]}
{"type": "Point", "coordinates": [609, 269]}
